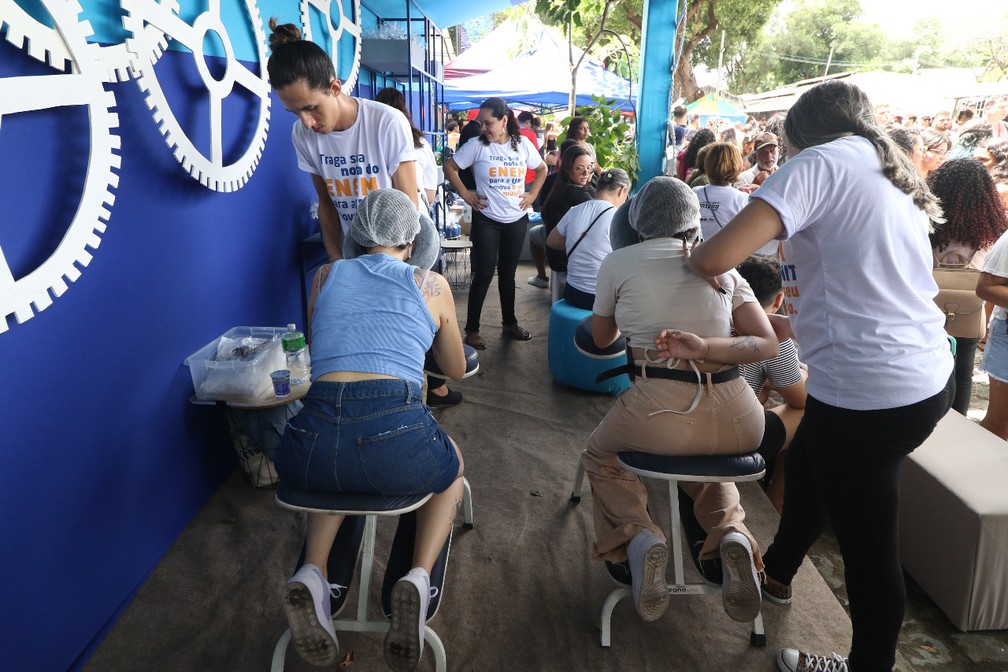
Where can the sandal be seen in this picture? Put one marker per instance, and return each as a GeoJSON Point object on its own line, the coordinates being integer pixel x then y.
{"type": "Point", "coordinates": [517, 333]}
{"type": "Point", "coordinates": [474, 340]}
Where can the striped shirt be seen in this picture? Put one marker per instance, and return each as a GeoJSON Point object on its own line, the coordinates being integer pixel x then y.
{"type": "Point", "coordinates": [781, 371]}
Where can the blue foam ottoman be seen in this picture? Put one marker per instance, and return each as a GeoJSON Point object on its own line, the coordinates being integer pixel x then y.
{"type": "Point", "coordinates": [573, 358]}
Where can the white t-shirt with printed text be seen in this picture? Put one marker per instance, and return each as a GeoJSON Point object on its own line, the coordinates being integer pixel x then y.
{"type": "Point", "coordinates": [358, 160]}
{"type": "Point", "coordinates": [718, 205]}
{"type": "Point", "coordinates": [857, 279]}
{"type": "Point", "coordinates": [500, 174]}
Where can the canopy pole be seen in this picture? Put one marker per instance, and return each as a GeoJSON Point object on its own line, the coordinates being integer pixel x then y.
{"type": "Point", "coordinates": [655, 84]}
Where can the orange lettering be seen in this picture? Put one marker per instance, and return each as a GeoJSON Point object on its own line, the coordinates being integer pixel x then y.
{"type": "Point", "coordinates": [368, 184]}
{"type": "Point", "coordinates": [343, 188]}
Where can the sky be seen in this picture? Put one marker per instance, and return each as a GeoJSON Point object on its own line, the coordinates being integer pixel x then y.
{"type": "Point", "coordinates": [896, 17]}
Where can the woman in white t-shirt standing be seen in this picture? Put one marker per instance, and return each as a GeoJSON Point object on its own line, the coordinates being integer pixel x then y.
{"type": "Point", "coordinates": [853, 214]}
{"type": "Point", "coordinates": [499, 157]}
{"type": "Point", "coordinates": [424, 161]}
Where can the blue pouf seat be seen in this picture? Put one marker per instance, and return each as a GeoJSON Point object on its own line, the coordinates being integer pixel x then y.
{"type": "Point", "coordinates": [573, 358]}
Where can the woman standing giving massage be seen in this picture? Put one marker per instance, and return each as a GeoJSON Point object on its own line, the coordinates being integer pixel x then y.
{"type": "Point", "coordinates": [853, 214]}
{"type": "Point", "coordinates": [499, 158]}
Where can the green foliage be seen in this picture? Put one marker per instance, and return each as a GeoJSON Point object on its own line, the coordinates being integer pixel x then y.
{"type": "Point", "coordinates": [608, 130]}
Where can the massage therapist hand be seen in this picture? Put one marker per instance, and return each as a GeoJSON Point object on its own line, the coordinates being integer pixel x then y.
{"type": "Point", "coordinates": [713, 281]}
{"type": "Point", "coordinates": [675, 344]}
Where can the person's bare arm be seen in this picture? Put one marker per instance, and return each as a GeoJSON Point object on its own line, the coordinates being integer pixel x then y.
{"type": "Point", "coordinates": [404, 179]}
{"type": "Point", "coordinates": [604, 330]}
{"type": "Point", "coordinates": [794, 395]}
{"type": "Point", "coordinates": [993, 288]}
{"type": "Point", "coordinates": [529, 196]}
{"type": "Point", "coordinates": [756, 340]}
{"type": "Point", "coordinates": [447, 346]}
{"type": "Point", "coordinates": [451, 172]}
{"type": "Point", "coordinates": [556, 240]}
{"type": "Point", "coordinates": [752, 228]}
{"type": "Point", "coordinates": [317, 281]}
{"type": "Point", "coordinates": [329, 220]}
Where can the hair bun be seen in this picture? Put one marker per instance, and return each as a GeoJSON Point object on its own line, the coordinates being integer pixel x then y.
{"type": "Point", "coordinates": [282, 34]}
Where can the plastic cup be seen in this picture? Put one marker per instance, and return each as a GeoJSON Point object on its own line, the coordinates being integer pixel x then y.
{"type": "Point", "coordinates": [281, 382]}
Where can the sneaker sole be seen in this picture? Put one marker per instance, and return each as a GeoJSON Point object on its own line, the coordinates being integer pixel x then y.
{"type": "Point", "coordinates": [313, 642]}
{"type": "Point", "coordinates": [654, 597]}
{"type": "Point", "coordinates": [402, 649]}
{"type": "Point", "coordinates": [740, 592]}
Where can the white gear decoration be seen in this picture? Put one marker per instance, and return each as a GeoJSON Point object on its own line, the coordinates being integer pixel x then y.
{"type": "Point", "coordinates": [347, 24]}
{"type": "Point", "coordinates": [81, 86]}
{"type": "Point", "coordinates": [210, 171]}
{"type": "Point", "coordinates": [44, 43]}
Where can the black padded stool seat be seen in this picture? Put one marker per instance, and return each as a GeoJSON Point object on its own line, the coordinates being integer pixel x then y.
{"type": "Point", "coordinates": [698, 469]}
{"type": "Point", "coordinates": [586, 346]}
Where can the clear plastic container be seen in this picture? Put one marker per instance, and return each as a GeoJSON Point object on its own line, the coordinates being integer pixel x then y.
{"type": "Point", "coordinates": [236, 366]}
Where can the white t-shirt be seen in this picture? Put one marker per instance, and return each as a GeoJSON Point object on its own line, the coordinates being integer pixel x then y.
{"type": "Point", "coordinates": [426, 166]}
{"type": "Point", "coordinates": [500, 174]}
{"type": "Point", "coordinates": [718, 205]}
{"type": "Point", "coordinates": [582, 268]}
{"type": "Point", "coordinates": [857, 279]}
{"type": "Point", "coordinates": [647, 287]}
{"type": "Point", "coordinates": [996, 263]}
{"type": "Point", "coordinates": [359, 159]}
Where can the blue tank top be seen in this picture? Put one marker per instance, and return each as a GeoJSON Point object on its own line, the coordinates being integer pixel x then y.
{"type": "Point", "coordinates": [370, 317]}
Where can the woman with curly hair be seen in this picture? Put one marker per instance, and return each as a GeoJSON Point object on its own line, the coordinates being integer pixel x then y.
{"type": "Point", "coordinates": [688, 157]}
{"type": "Point", "coordinates": [974, 220]}
{"type": "Point", "coordinates": [993, 154]}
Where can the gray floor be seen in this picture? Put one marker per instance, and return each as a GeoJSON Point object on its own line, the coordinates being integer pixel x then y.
{"type": "Point", "coordinates": [522, 593]}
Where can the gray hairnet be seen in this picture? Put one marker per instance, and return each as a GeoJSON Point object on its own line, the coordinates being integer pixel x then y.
{"type": "Point", "coordinates": [663, 207]}
{"type": "Point", "coordinates": [385, 217]}
{"type": "Point", "coordinates": [388, 217]}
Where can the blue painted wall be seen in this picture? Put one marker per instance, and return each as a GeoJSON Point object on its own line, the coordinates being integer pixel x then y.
{"type": "Point", "coordinates": [104, 462]}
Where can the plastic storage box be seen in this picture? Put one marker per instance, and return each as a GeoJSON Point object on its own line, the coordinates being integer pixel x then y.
{"type": "Point", "coordinates": [236, 365]}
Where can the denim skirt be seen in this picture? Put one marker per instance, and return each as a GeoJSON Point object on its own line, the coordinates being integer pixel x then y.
{"type": "Point", "coordinates": [995, 357]}
{"type": "Point", "coordinates": [367, 437]}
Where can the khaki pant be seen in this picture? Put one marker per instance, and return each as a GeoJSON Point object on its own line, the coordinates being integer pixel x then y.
{"type": "Point", "coordinates": [727, 421]}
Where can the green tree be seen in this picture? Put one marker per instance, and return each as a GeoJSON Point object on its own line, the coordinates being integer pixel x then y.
{"type": "Point", "coordinates": [742, 22]}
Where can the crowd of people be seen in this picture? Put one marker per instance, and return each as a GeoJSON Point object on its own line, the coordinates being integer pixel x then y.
{"type": "Point", "coordinates": [756, 295]}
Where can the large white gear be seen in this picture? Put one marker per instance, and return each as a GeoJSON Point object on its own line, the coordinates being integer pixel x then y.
{"type": "Point", "coordinates": [349, 24]}
{"type": "Point", "coordinates": [44, 43]}
{"type": "Point", "coordinates": [81, 86]}
{"type": "Point", "coordinates": [210, 171]}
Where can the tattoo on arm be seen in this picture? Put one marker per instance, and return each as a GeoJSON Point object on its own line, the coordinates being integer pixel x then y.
{"type": "Point", "coordinates": [433, 287]}
{"type": "Point", "coordinates": [744, 343]}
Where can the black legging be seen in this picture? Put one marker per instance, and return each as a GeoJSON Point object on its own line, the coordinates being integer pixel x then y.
{"type": "Point", "coordinates": [965, 355]}
{"type": "Point", "coordinates": [843, 467]}
{"type": "Point", "coordinates": [494, 245]}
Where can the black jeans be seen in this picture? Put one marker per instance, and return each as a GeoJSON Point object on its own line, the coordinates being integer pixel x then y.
{"type": "Point", "coordinates": [965, 355]}
{"type": "Point", "coordinates": [494, 245]}
{"type": "Point", "coordinates": [578, 299]}
{"type": "Point", "coordinates": [843, 467]}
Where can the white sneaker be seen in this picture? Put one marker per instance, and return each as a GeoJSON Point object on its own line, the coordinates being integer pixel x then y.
{"type": "Point", "coordinates": [405, 638]}
{"type": "Point", "coordinates": [648, 557]}
{"type": "Point", "coordinates": [536, 281]}
{"type": "Point", "coordinates": [792, 660]}
{"type": "Point", "coordinates": [740, 590]}
{"type": "Point", "coordinates": [306, 601]}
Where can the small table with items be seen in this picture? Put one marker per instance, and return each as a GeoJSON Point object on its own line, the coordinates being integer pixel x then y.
{"type": "Point", "coordinates": [457, 265]}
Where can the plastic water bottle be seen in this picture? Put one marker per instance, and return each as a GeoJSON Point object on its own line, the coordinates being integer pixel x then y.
{"type": "Point", "coordinates": [298, 361]}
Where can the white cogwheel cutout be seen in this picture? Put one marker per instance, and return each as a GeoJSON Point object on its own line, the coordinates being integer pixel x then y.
{"type": "Point", "coordinates": [216, 167]}
{"type": "Point", "coordinates": [44, 43]}
{"type": "Point", "coordinates": [341, 19]}
{"type": "Point", "coordinates": [82, 86]}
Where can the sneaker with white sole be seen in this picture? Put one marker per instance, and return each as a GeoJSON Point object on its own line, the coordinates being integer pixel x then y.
{"type": "Point", "coordinates": [306, 602]}
{"type": "Point", "coordinates": [648, 557]}
{"type": "Point", "coordinates": [405, 638]}
{"type": "Point", "coordinates": [792, 660]}
{"type": "Point", "coordinates": [775, 592]}
{"type": "Point", "coordinates": [740, 589]}
{"type": "Point", "coordinates": [536, 281]}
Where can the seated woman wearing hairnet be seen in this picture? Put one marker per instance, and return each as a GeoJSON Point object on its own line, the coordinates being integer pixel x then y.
{"type": "Point", "coordinates": [696, 404]}
{"type": "Point", "coordinates": [364, 427]}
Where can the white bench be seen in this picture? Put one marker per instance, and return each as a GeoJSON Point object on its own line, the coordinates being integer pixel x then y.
{"type": "Point", "coordinates": [954, 522]}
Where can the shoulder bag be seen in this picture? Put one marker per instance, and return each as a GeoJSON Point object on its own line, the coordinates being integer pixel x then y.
{"type": "Point", "coordinates": [957, 299]}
